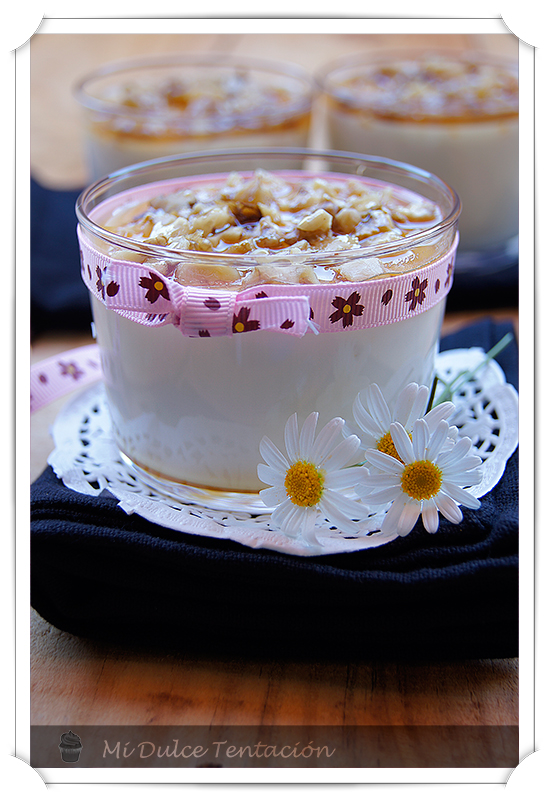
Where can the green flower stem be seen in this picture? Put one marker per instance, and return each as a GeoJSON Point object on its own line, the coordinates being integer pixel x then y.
{"type": "Point", "coordinates": [466, 375]}
{"type": "Point", "coordinates": [432, 393]}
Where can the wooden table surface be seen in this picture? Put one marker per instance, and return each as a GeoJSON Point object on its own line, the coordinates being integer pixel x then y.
{"type": "Point", "coordinates": [78, 682]}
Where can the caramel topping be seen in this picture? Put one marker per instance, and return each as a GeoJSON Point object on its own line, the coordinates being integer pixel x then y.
{"type": "Point", "coordinates": [200, 105]}
{"type": "Point", "coordinates": [434, 89]}
{"type": "Point", "coordinates": [265, 214]}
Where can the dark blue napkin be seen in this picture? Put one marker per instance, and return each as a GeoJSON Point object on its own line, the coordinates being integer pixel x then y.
{"type": "Point", "coordinates": [97, 572]}
{"type": "Point", "coordinates": [59, 299]}
{"type": "Point", "coordinates": [472, 290]}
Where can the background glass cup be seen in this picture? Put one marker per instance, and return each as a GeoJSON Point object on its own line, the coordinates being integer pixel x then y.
{"type": "Point", "coordinates": [159, 106]}
{"type": "Point", "coordinates": [476, 153]}
{"type": "Point", "coordinates": [193, 410]}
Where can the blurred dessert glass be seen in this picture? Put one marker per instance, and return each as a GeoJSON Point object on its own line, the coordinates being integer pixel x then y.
{"type": "Point", "coordinates": [160, 106]}
{"type": "Point", "coordinates": [455, 115]}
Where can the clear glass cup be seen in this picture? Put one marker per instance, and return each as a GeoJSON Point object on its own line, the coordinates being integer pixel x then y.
{"type": "Point", "coordinates": [371, 110]}
{"type": "Point", "coordinates": [145, 109]}
{"type": "Point", "coordinates": [189, 411]}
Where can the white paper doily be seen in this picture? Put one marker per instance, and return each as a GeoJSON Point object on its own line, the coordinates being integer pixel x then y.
{"type": "Point", "coordinates": [88, 461]}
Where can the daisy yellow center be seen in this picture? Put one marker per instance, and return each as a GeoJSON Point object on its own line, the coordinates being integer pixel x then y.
{"type": "Point", "coordinates": [304, 484]}
{"type": "Point", "coordinates": [347, 309]}
{"type": "Point", "coordinates": [386, 445]}
{"type": "Point", "coordinates": [158, 285]}
{"type": "Point", "coordinates": [421, 480]}
{"type": "Point", "coordinates": [239, 327]}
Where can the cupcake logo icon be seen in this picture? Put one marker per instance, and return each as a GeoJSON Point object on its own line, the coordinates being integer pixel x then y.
{"type": "Point", "coordinates": [70, 747]}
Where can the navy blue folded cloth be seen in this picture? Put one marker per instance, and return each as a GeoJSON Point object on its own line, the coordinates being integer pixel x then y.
{"type": "Point", "coordinates": [99, 573]}
{"type": "Point", "coordinates": [59, 299]}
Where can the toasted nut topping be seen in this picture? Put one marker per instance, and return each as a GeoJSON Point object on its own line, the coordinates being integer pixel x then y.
{"type": "Point", "coordinates": [320, 220]}
{"type": "Point", "coordinates": [160, 239]}
{"type": "Point", "coordinates": [281, 273]}
{"type": "Point", "coordinates": [218, 275]}
{"type": "Point", "coordinates": [433, 89]}
{"type": "Point", "coordinates": [360, 270]}
{"type": "Point", "coordinates": [418, 212]}
{"type": "Point", "coordinates": [267, 214]}
{"type": "Point", "coordinates": [211, 220]}
{"type": "Point", "coordinates": [232, 235]}
{"type": "Point", "coordinates": [346, 220]}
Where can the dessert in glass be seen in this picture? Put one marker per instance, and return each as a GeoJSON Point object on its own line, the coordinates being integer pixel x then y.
{"type": "Point", "coordinates": [224, 302]}
{"type": "Point", "coordinates": [453, 115]}
{"type": "Point", "coordinates": [159, 106]}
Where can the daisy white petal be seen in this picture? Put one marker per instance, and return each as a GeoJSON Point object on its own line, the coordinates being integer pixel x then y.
{"type": "Point", "coordinates": [420, 442]}
{"type": "Point", "coordinates": [272, 456]}
{"type": "Point", "coordinates": [454, 454]}
{"type": "Point", "coordinates": [307, 529]}
{"type": "Point", "coordinates": [402, 442]}
{"type": "Point", "coordinates": [438, 413]}
{"type": "Point", "coordinates": [273, 496]}
{"type": "Point", "coordinates": [378, 497]}
{"type": "Point", "coordinates": [288, 517]}
{"type": "Point", "coordinates": [378, 480]}
{"type": "Point", "coordinates": [402, 516]}
{"type": "Point", "coordinates": [470, 477]}
{"type": "Point", "coordinates": [270, 475]}
{"type": "Point", "coordinates": [405, 402]}
{"type": "Point", "coordinates": [341, 455]}
{"type": "Point", "coordinates": [364, 420]}
{"type": "Point", "coordinates": [460, 495]}
{"type": "Point", "coordinates": [353, 509]}
{"type": "Point", "coordinates": [392, 517]}
{"type": "Point", "coordinates": [383, 461]}
{"type": "Point", "coordinates": [470, 462]}
{"type": "Point", "coordinates": [345, 478]}
{"type": "Point", "coordinates": [292, 438]}
{"type": "Point", "coordinates": [452, 438]}
{"type": "Point", "coordinates": [438, 439]}
{"type": "Point", "coordinates": [419, 396]}
{"type": "Point", "coordinates": [307, 523]}
{"type": "Point", "coordinates": [378, 407]}
{"type": "Point", "coordinates": [326, 439]}
{"type": "Point", "coordinates": [337, 516]}
{"type": "Point", "coordinates": [307, 435]}
{"type": "Point", "coordinates": [408, 518]}
{"type": "Point", "coordinates": [448, 508]}
{"type": "Point", "coordinates": [430, 516]}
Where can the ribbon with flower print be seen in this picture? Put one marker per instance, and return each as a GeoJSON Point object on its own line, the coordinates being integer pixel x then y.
{"type": "Point", "coordinates": [58, 375]}
{"type": "Point", "coordinates": [142, 294]}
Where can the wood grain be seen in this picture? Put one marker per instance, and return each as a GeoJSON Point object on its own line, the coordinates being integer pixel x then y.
{"type": "Point", "coordinates": [79, 682]}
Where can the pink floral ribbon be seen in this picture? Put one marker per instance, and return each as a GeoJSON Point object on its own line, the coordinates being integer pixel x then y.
{"type": "Point", "coordinates": [141, 293]}
{"type": "Point", "coordinates": [58, 375]}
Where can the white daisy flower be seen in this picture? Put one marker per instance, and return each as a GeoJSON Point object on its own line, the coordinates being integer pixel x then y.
{"type": "Point", "coordinates": [309, 480]}
{"type": "Point", "coordinates": [429, 477]}
{"type": "Point", "coordinates": [374, 417]}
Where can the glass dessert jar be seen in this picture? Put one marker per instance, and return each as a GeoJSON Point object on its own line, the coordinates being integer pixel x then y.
{"type": "Point", "coordinates": [224, 303]}
{"type": "Point", "coordinates": [455, 115]}
{"type": "Point", "coordinates": [160, 106]}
